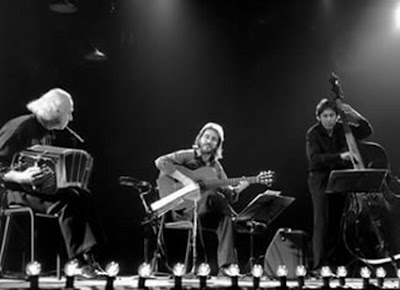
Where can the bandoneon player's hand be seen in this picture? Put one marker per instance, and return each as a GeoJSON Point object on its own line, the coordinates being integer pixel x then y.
{"type": "Point", "coordinates": [31, 175]}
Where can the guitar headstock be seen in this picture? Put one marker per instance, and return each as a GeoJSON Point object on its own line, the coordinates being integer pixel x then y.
{"type": "Point", "coordinates": [336, 87]}
{"type": "Point", "coordinates": [266, 177]}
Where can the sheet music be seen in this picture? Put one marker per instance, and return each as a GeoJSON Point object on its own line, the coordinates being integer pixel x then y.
{"type": "Point", "coordinates": [268, 192]}
{"type": "Point", "coordinates": [265, 207]}
{"type": "Point", "coordinates": [174, 198]}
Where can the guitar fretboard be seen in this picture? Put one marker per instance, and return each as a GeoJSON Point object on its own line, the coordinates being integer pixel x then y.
{"type": "Point", "coordinates": [229, 181]}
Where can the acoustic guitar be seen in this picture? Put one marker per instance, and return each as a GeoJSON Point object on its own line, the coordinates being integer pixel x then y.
{"type": "Point", "coordinates": [207, 180]}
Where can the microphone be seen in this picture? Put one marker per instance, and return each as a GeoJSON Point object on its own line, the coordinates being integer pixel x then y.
{"type": "Point", "coordinates": [80, 139]}
{"type": "Point", "coordinates": [134, 182]}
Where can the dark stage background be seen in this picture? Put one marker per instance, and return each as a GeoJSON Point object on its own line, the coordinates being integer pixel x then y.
{"type": "Point", "coordinates": [256, 67]}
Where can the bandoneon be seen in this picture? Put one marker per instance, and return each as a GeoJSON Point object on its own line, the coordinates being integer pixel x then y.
{"type": "Point", "coordinates": [64, 167]}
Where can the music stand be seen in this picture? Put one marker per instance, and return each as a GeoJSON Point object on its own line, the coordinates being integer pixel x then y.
{"type": "Point", "coordinates": [356, 180]}
{"type": "Point", "coordinates": [265, 207]}
{"type": "Point", "coordinates": [262, 210]}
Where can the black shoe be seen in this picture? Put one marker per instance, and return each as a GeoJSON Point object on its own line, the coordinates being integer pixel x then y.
{"type": "Point", "coordinates": [314, 274]}
{"type": "Point", "coordinates": [89, 268]}
{"type": "Point", "coordinates": [87, 272]}
{"type": "Point", "coordinates": [93, 271]}
{"type": "Point", "coordinates": [98, 269]}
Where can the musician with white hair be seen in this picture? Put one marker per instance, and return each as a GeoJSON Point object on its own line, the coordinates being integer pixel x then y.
{"type": "Point", "coordinates": [74, 206]}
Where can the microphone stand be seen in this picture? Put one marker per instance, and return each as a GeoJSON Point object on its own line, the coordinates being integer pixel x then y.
{"type": "Point", "coordinates": [194, 239]}
{"type": "Point", "coordinates": [157, 229]}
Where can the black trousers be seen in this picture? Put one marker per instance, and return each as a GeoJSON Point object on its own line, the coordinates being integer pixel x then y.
{"type": "Point", "coordinates": [77, 218]}
{"type": "Point", "coordinates": [214, 212]}
{"type": "Point", "coordinates": [327, 242]}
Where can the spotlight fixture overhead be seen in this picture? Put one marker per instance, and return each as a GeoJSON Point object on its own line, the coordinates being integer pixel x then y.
{"type": "Point", "coordinates": [96, 55]}
{"type": "Point", "coordinates": [63, 6]}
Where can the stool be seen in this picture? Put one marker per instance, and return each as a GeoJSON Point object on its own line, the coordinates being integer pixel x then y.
{"type": "Point", "coordinates": [8, 213]}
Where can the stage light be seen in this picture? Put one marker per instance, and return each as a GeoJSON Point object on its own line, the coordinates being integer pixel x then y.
{"type": "Point", "coordinates": [398, 276]}
{"type": "Point", "coordinates": [33, 270]}
{"type": "Point", "coordinates": [63, 6]}
{"type": "Point", "coordinates": [70, 270]}
{"type": "Point", "coordinates": [257, 271]}
{"type": "Point", "coordinates": [342, 274]}
{"type": "Point", "coordinates": [365, 274]}
{"type": "Point", "coordinates": [234, 272]}
{"type": "Point", "coordinates": [282, 272]}
{"type": "Point", "coordinates": [202, 272]}
{"type": "Point", "coordinates": [96, 55]}
{"type": "Point", "coordinates": [326, 275]}
{"type": "Point", "coordinates": [397, 17]}
{"type": "Point", "coordinates": [112, 270]}
{"type": "Point", "coordinates": [144, 272]}
{"type": "Point", "coordinates": [301, 272]}
{"type": "Point", "coordinates": [380, 275]}
{"type": "Point", "coordinates": [179, 270]}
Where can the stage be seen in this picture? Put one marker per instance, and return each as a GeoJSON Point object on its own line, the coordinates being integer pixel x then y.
{"type": "Point", "coordinates": [166, 282]}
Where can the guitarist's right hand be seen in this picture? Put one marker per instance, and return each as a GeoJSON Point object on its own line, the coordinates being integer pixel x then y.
{"type": "Point", "coordinates": [193, 196]}
{"type": "Point", "coordinates": [187, 181]}
{"type": "Point", "coordinates": [182, 178]}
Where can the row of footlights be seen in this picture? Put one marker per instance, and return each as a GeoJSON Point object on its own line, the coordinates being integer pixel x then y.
{"type": "Point", "coordinates": [71, 269]}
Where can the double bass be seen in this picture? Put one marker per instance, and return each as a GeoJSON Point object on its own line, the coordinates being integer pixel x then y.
{"type": "Point", "coordinates": [371, 222]}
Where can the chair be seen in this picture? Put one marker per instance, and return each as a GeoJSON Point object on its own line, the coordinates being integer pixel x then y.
{"type": "Point", "coordinates": [13, 211]}
{"type": "Point", "coordinates": [190, 244]}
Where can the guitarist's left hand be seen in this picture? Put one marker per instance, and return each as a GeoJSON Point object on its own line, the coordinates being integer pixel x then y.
{"type": "Point", "coordinates": [266, 177]}
{"type": "Point", "coordinates": [243, 184]}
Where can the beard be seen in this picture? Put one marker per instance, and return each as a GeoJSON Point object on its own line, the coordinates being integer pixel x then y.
{"type": "Point", "coordinates": [207, 149]}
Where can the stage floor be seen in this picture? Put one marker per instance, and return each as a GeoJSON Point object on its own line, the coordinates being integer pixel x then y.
{"type": "Point", "coordinates": [130, 282]}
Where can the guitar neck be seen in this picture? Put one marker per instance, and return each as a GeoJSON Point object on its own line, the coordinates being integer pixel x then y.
{"type": "Point", "coordinates": [229, 181]}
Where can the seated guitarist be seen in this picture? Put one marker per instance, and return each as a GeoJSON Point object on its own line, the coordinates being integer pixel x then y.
{"type": "Point", "coordinates": [213, 207]}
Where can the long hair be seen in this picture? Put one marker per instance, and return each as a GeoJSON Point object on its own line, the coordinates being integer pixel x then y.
{"type": "Point", "coordinates": [47, 107]}
{"type": "Point", "coordinates": [220, 131]}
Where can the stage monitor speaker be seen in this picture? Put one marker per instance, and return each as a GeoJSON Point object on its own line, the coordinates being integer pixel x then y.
{"type": "Point", "coordinates": [288, 247]}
